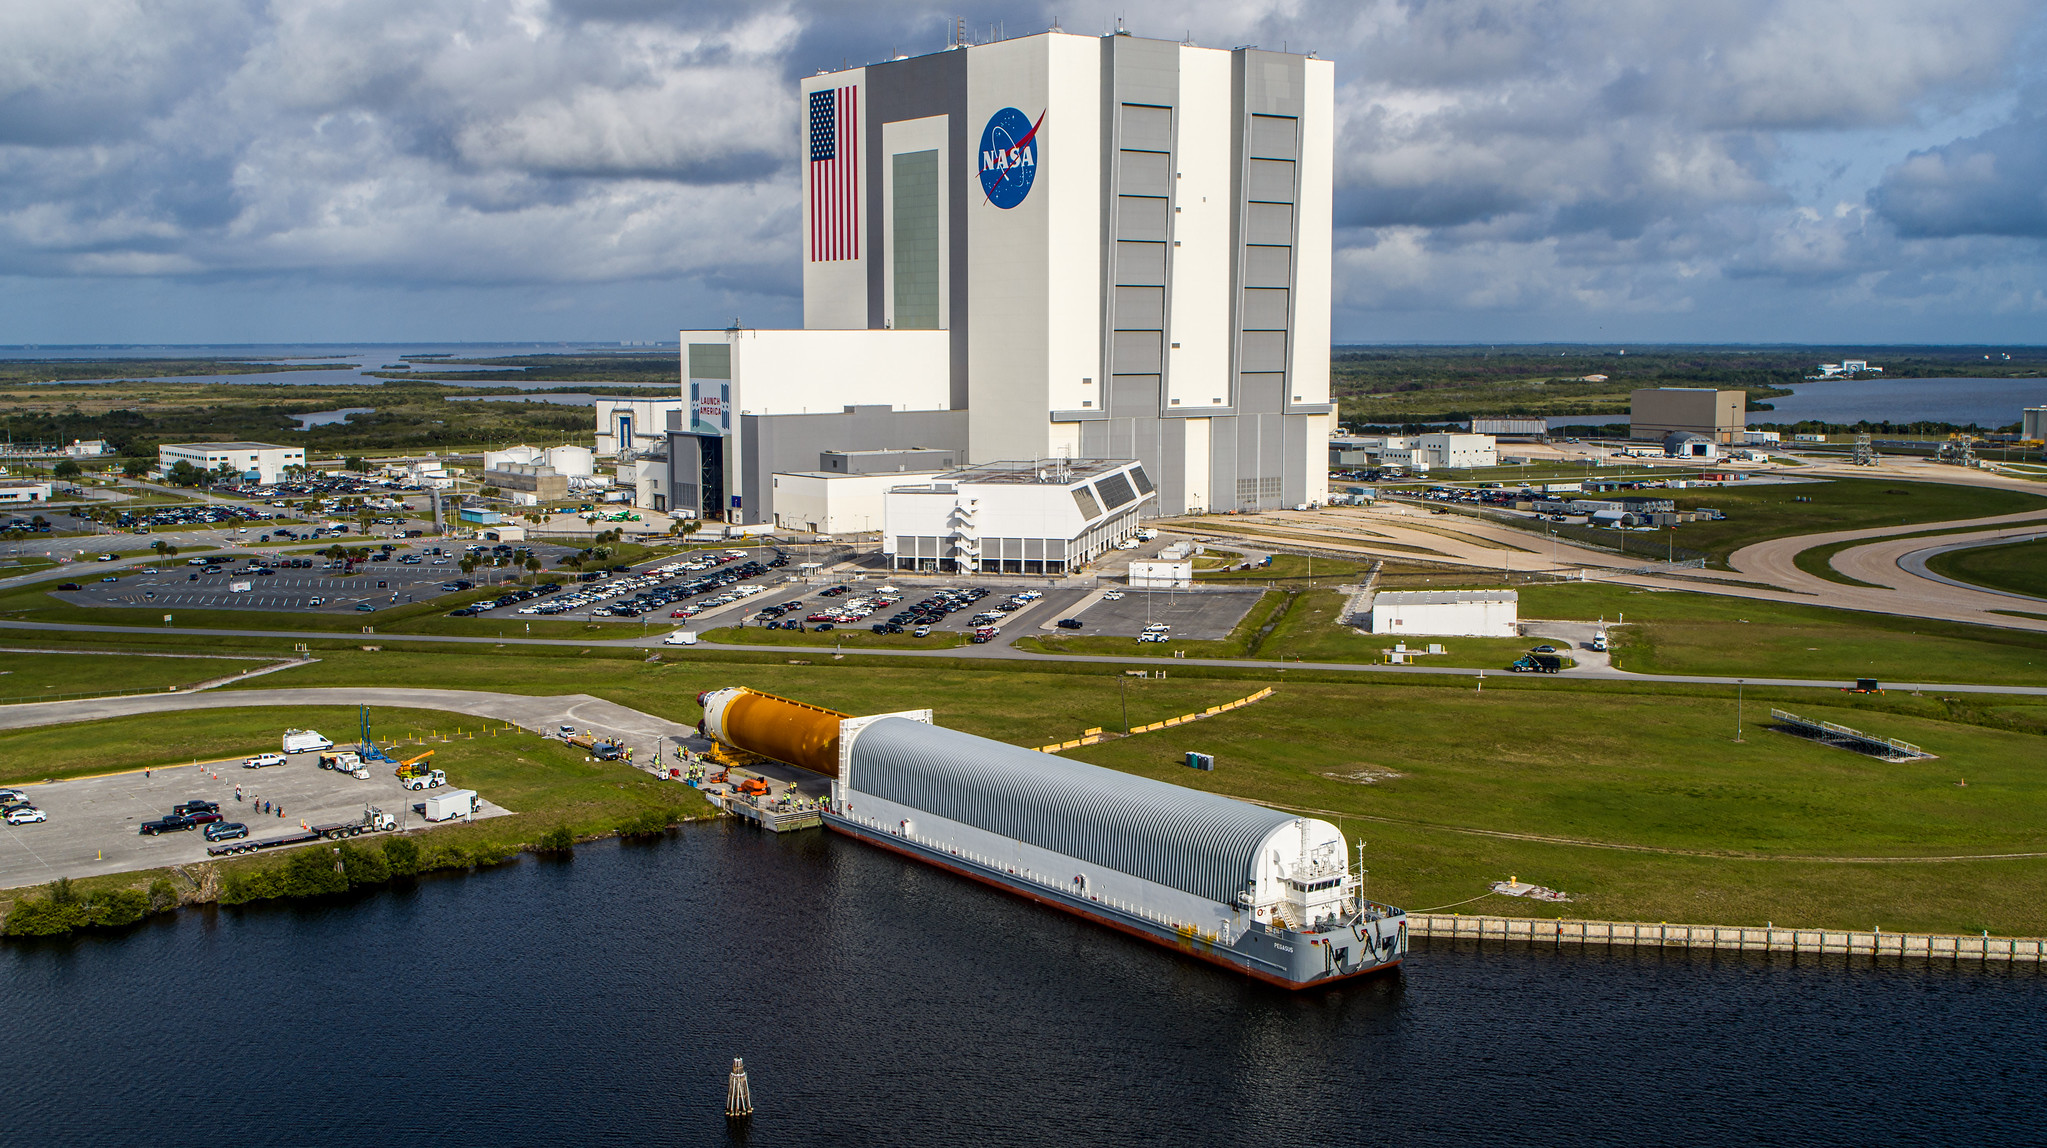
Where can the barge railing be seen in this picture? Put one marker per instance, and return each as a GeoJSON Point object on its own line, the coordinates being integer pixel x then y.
{"type": "Point", "coordinates": [1740, 938]}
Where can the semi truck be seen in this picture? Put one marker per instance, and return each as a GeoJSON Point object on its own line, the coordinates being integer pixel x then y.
{"type": "Point", "coordinates": [305, 741]}
{"type": "Point", "coordinates": [373, 820]}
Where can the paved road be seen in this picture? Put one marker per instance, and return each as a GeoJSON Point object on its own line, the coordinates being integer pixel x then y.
{"type": "Point", "coordinates": [1914, 563]}
{"type": "Point", "coordinates": [991, 651]}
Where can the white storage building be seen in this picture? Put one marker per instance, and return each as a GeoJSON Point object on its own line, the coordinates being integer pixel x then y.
{"type": "Point", "coordinates": [1447, 613]}
{"type": "Point", "coordinates": [1162, 574]}
{"type": "Point", "coordinates": [1046, 517]}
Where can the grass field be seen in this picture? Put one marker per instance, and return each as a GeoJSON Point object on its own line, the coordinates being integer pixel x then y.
{"type": "Point", "coordinates": [1633, 798]}
{"type": "Point", "coordinates": [2018, 567]}
{"type": "Point", "coordinates": [1289, 570]}
{"type": "Point", "coordinates": [1760, 513]}
{"type": "Point", "coordinates": [28, 676]}
{"type": "Point", "coordinates": [1674, 632]}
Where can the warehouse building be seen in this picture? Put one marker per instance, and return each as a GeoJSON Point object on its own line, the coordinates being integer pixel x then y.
{"type": "Point", "coordinates": [1446, 613]}
{"type": "Point", "coordinates": [627, 428]}
{"type": "Point", "coordinates": [1656, 413]}
{"type": "Point", "coordinates": [1414, 452]}
{"type": "Point", "coordinates": [1047, 517]}
{"type": "Point", "coordinates": [248, 461]}
{"type": "Point", "coordinates": [528, 483]}
{"type": "Point", "coordinates": [2033, 424]}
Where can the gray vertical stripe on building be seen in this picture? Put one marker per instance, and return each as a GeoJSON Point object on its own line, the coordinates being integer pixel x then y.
{"type": "Point", "coordinates": [1200, 843]}
{"type": "Point", "coordinates": [914, 239]}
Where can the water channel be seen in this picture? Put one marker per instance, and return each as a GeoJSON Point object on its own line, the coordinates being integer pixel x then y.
{"type": "Point", "coordinates": [599, 1000]}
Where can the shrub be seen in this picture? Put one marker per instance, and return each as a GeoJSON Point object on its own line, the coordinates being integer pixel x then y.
{"type": "Point", "coordinates": [558, 840]}
{"type": "Point", "coordinates": [652, 823]}
{"type": "Point", "coordinates": [403, 855]}
{"type": "Point", "coordinates": [364, 866]}
{"type": "Point", "coordinates": [61, 892]}
{"type": "Point", "coordinates": [116, 907]}
{"type": "Point", "coordinates": [42, 918]}
{"type": "Point", "coordinates": [311, 872]}
{"type": "Point", "coordinates": [162, 895]}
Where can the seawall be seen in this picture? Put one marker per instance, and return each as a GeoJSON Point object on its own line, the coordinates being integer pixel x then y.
{"type": "Point", "coordinates": [1742, 938]}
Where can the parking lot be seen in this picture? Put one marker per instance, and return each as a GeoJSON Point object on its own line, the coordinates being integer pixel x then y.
{"type": "Point", "coordinates": [289, 586]}
{"type": "Point", "coordinates": [92, 821]}
{"type": "Point", "coordinates": [1194, 615]}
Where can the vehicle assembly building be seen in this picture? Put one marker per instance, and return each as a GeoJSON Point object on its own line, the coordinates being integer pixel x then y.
{"type": "Point", "coordinates": [1053, 246]}
{"type": "Point", "coordinates": [1258, 890]}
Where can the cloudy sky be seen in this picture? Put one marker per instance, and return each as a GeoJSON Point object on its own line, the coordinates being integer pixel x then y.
{"type": "Point", "coordinates": [1548, 170]}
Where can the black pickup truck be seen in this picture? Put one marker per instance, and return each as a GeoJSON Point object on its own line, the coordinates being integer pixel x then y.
{"type": "Point", "coordinates": [170, 824]}
{"type": "Point", "coordinates": [191, 807]}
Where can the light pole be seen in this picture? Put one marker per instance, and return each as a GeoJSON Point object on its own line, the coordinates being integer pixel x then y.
{"type": "Point", "coordinates": [1738, 684]}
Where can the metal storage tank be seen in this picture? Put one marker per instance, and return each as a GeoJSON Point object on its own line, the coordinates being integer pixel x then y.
{"type": "Point", "coordinates": [573, 461]}
{"type": "Point", "coordinates": [523, 455]}
{"type": "Point", "coordinates": [787, 731]}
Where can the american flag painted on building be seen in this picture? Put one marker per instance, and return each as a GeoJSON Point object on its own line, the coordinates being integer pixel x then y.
{"type": "Point", "coordinates": [834, 174]}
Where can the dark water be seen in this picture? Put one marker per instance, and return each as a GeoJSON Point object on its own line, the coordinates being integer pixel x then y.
{"type": "Point", "coordinates": [1988, 403]}
{"type": "Point", "coordinates": [353, 362]}
{"type": "Point", "coordinates": [882, 1002]}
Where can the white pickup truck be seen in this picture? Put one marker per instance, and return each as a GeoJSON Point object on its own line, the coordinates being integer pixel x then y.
{"type": "Point", "coordinates": [262, 759]}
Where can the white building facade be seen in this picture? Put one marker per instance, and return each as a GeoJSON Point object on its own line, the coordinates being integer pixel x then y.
{"type": "Point", "coordinates": [1015, 517]}
{"type": "Point", "coordinates": [1447, 613]}
{"type": "Point", "coordinates": [257, 461]}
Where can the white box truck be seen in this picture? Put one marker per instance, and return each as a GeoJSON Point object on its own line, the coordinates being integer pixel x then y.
{"type": "Point", "coordinates": [305, 741]}
{"type": "Point", "coordinates": [453, 803]}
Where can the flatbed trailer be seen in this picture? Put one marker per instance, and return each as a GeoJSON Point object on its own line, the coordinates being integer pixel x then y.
{"type": "Point", "coordinates": [372, 821]}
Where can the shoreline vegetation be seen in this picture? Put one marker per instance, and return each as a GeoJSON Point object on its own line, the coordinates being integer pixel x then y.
{"type": "Point", "coordinates": [124, 899]}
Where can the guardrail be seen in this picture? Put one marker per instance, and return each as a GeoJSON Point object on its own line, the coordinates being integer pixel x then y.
{"type": "Point", "coordinates": [1741, 938]}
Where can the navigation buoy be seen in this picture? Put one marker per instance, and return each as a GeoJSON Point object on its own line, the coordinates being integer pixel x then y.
{"type": "Point", "coordinates": [738, 1098]}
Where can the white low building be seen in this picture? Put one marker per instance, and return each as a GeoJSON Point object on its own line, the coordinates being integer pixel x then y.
{"type": "Point", "coordinates": [255, 461]}
{"type": "Point", "coordinates": [1447, 613]}
{"type": "Point", "coordinates": [1153, 574]}
{"type": "Point", "coordinates": [830, 502]}
{"type": "Point", "coordinates": [1051, 516]}
{"type": "Point", "coordinates": [15, 492]}
{"type": "Point", "coordinates": [1415, 452]}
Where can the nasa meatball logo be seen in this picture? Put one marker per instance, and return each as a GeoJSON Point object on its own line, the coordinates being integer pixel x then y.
{"type": "Point", "coordinates": [1010, 151]}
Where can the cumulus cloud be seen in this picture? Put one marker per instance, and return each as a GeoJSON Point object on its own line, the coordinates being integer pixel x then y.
{"type": "Point", "coordinates": [1989, 184]}
{"type": "Point", "coordinates": [1588, 157]}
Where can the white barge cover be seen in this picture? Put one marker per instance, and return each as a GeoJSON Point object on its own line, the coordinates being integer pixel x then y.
{"type": "Point", "coordinates": [1200, 843]}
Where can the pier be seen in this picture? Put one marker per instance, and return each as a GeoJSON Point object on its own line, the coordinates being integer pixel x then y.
{"type": "Point", "coordinates": [1740, 938]}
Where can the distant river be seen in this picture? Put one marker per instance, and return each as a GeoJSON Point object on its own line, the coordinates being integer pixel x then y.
{"type": "Point", "coordinates": [879, 1001]}
{"type": "Point", "coordinates": [352, 362]}
{"type": "Point", "coordinates": [1989, 403]}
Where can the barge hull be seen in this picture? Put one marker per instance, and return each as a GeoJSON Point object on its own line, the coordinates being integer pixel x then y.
{"type": "Point", "coordinates": [1228, 956]}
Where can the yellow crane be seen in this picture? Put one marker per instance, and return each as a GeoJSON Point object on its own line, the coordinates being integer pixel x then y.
{"type": "Point", "coordinates": [411, 767]}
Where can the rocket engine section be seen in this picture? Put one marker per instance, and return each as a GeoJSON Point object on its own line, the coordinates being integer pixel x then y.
{"type": "Point", "coordinates": [801, 735]}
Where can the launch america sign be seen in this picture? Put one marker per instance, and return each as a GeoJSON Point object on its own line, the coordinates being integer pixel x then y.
{"type": "Point", "coordinates": [1010, 151]}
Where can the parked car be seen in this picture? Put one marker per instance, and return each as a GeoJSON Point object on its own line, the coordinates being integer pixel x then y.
{"type": "Point", "coordinates": [196, 807]}
{"type": "Point", "coordinates": [226, 831]}
{"type": "Point", "coordinates": [1069, 623]}
{"type": "Point", "coordinates": [263, 759]}
{"type": "Point", "coordinates": [170, 824]}
{"type": "Point", "coordinates": [24, 815]}
{"type": "Point", "coordinates": [70, 586]}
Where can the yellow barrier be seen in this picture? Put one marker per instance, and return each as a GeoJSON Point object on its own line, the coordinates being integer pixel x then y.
{"type": "Point", "coordinates": [1095, 735]}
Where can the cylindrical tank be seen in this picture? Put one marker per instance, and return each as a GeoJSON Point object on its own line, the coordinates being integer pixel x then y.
{"type": "Point", "coordinates": [573, 461]}
{"type": "Point", "coordinates": [801, 735]}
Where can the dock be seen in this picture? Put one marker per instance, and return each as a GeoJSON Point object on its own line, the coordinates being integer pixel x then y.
{"type": "Point", "coordinates": [1738, 938]}
{"type": "Point", "coordinates": [771, 817]}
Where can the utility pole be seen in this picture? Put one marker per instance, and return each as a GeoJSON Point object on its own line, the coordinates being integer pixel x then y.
{"type": "Point", "coordinates": [1123, 688]}
{"type": "Point", "coordinates": [1737, 709]}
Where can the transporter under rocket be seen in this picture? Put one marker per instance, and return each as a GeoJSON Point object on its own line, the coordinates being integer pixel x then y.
{"type": "Point", "coordinates": [1259, 890]}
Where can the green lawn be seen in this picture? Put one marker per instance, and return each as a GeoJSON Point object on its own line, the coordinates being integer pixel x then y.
{"type": "Point", "coordinates": [1674, 632]}
{"type": "Point", "coordinates": [1758, 513]}
{"type": "Point", "coordinates": [28, 676]}
{"type": "Point", "coordinates": [1309, 632]}
{"type": "Point", "coordinates": [2017, 567]}
{"type": "Point", "coordinates": [1290, 570]}
{"type": "Point", "coordinates": [1644, 765]}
